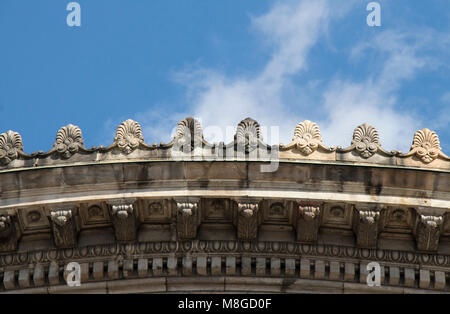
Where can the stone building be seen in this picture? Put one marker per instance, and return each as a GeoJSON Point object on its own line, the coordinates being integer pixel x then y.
{"type": "Point", "coordinates": [193, 216]}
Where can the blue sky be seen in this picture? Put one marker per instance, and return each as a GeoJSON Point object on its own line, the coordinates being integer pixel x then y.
{"type": "Point", "coordinates": [280, 62]}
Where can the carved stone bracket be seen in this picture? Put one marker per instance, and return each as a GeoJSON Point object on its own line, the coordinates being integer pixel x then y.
{"type": "Point", "coordinates": [307, 222]}
{"type": "Point", "coordinates": [64, 228]}
{"type": "Point", "coordinates": [247, 220]}
{"type": "Point", "coordinates": [428, 232]}
{"type": "Point", "coordinates": [366, 228]}
{"type": "Point", "coordinates": [187, 220]}
{"type": "Point", "coordinates": [9, 233]}
{"type": "Point", "coordinates": [123, 218]}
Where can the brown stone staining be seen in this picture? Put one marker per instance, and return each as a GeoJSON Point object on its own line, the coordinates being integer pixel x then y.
{"type": "Point", "coordinates": [247, 221]}
{"type": "Point", "coordinates": [124, 220]}
{"type": "Point", "coordinates": [187, 220]}
{"type": "Point", "coordinates": [33, 216]}
{"type": "Point", "coordinates": [428, 232]}
{"type": "Point", "coordinates": [64, 228]}
{"type": "Point", "coordinates": [307, 222]}
{"type": "Point", "coordinates": [216, 210]}
{"type": "Point", "coordinates": [366, 228]}
{"type": "Point", "coordinates": [69, 140]}
{"type": "Point", "coordinates": [155, 209]}
{"type": "Point", "coordinates": [129, 136]}
{"type": "Point", "coordinates": [10, 147]}
{"type": "Point", "coordinates": [9, 233]}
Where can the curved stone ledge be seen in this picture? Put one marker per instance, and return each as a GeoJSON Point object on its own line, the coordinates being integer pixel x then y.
{"type": "Point", "coordinates": [224, 266]}
{"type": "Point", "coordinates": [189, 144]}
{"type": "Point", "coordinates": [185, 216]}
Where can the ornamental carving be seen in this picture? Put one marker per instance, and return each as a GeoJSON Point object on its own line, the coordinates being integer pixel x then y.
{"type": "Point", "coordinates": [9, 233]}
{"type": "Point", "coordinates": [366, 228]}
{"type": "Point", "coordinates": [428, 232]}
{"type": "Point", "coordinates": [129, 136]}
{"type": "Point", "coordinates": [10, 146]}
{"type": "Point", "coordinates": [64, 228]}
{"type": "Point", "coordinates": [307, 137]}
{"type": "Point", "coordinates": [124, 221]}
{"type": "Point", "coordinates": [248, 135]}
{"type": "Point", "coordinates": [307, 224]}
{"type": "Point", "coordinates": [247, 221]}
{"type": "Point", "coordinates": [69, 140]}
{"type": "Point", "coordinates": [187, 218]}
{"type": "Point", "coordinates": [366, 140]}
{"type": "Point", "coordinates": [188, 135]}
{"type": "Point", "coordinates": [426, 145]}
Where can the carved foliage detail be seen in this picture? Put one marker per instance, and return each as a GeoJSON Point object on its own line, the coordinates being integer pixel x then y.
{"type": "Point", "coordinates": [247, 135]}
{"type": "Point", "coordinates": [307, 137]}
{"type": "Point", "coordinates": [428, 232]}
{"type": "Point", "coordinates": [307, 223]}
{"type": "Point", "coordinates": [124, 221]}
{"type": "Point", "coordinates": [366, 229]}
{"type": "Point", "coordinates": [64, 228]}
{"type": "Point", "coordinates": [129, 136]}
{"type": "Point", "coordinates": [9, 233]}
{"type": "Point", "coordinates": [10, 145]}
{"type": "Point", "coordinates": [188, 134]}
{"type": "Point", "coordinates": [68, 141]}
{"type": "Point", "coordinates": [247, 221]}
{"type": "Point", "coordinates": [426, 145]}
{"type": "Point", "coordinates": [187, 217]}
{"type": "Point", "coordinates": [366, 140]}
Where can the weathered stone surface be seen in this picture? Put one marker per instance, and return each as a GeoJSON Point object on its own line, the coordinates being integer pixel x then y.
{"type": "Point", "coordinates": [247, 221]}
{"type": "Point", "coordinates": [410, 277]}
{"type": "Point", "coordinates": [366, 228]}
{"type": "Point", "coordinates": [246, 269]}
{"type": "Point", "coordinates": [349, 272]}
{"type": "Point", "coordinates": [172, 211]}
{"type": "Point", "coordinates": [439, 280]}
{"type": "Point", "coordinates": [64, 228]}
{"type": "Point", "coordinates": [428, 232]}
{"type": "Point", "coordinates": [307, 223]}
{"type": "Point", "coordinates": [230, 265]}
{"type": "Point", "coordinates": [124, 220]}
{"type": "Point", "coordinates": [39, 276]}
{"type": "Point", "coordinates": [305, 268]}
{"type": "Point", "coordinates": [201, 265]}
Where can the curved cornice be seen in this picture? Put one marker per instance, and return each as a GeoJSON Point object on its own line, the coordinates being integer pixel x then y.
{"type": "Point", "coordinates": [189, 143]}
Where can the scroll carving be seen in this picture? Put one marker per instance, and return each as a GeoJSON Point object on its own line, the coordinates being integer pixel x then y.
{"type": "Point", "coordinates": [366, 228]}
{"type": "Point", "coordinates": [187, 220]}
{"type": "Point", "coordinates": [247, 221]}
{"type": "Point", "coordinates": [64, 228]}
{"type": "Point", "coordinates": [9, 233]}
{"type": "Point", "coordinates": [428, 232]}
{"type": "Point", "coordinates": [124, 220]}
{"type": "Point", "coordinates": [307, 224]}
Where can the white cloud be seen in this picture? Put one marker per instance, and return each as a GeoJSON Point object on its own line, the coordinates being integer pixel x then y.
{"type": "Point", "coordinates": [291, 28]}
